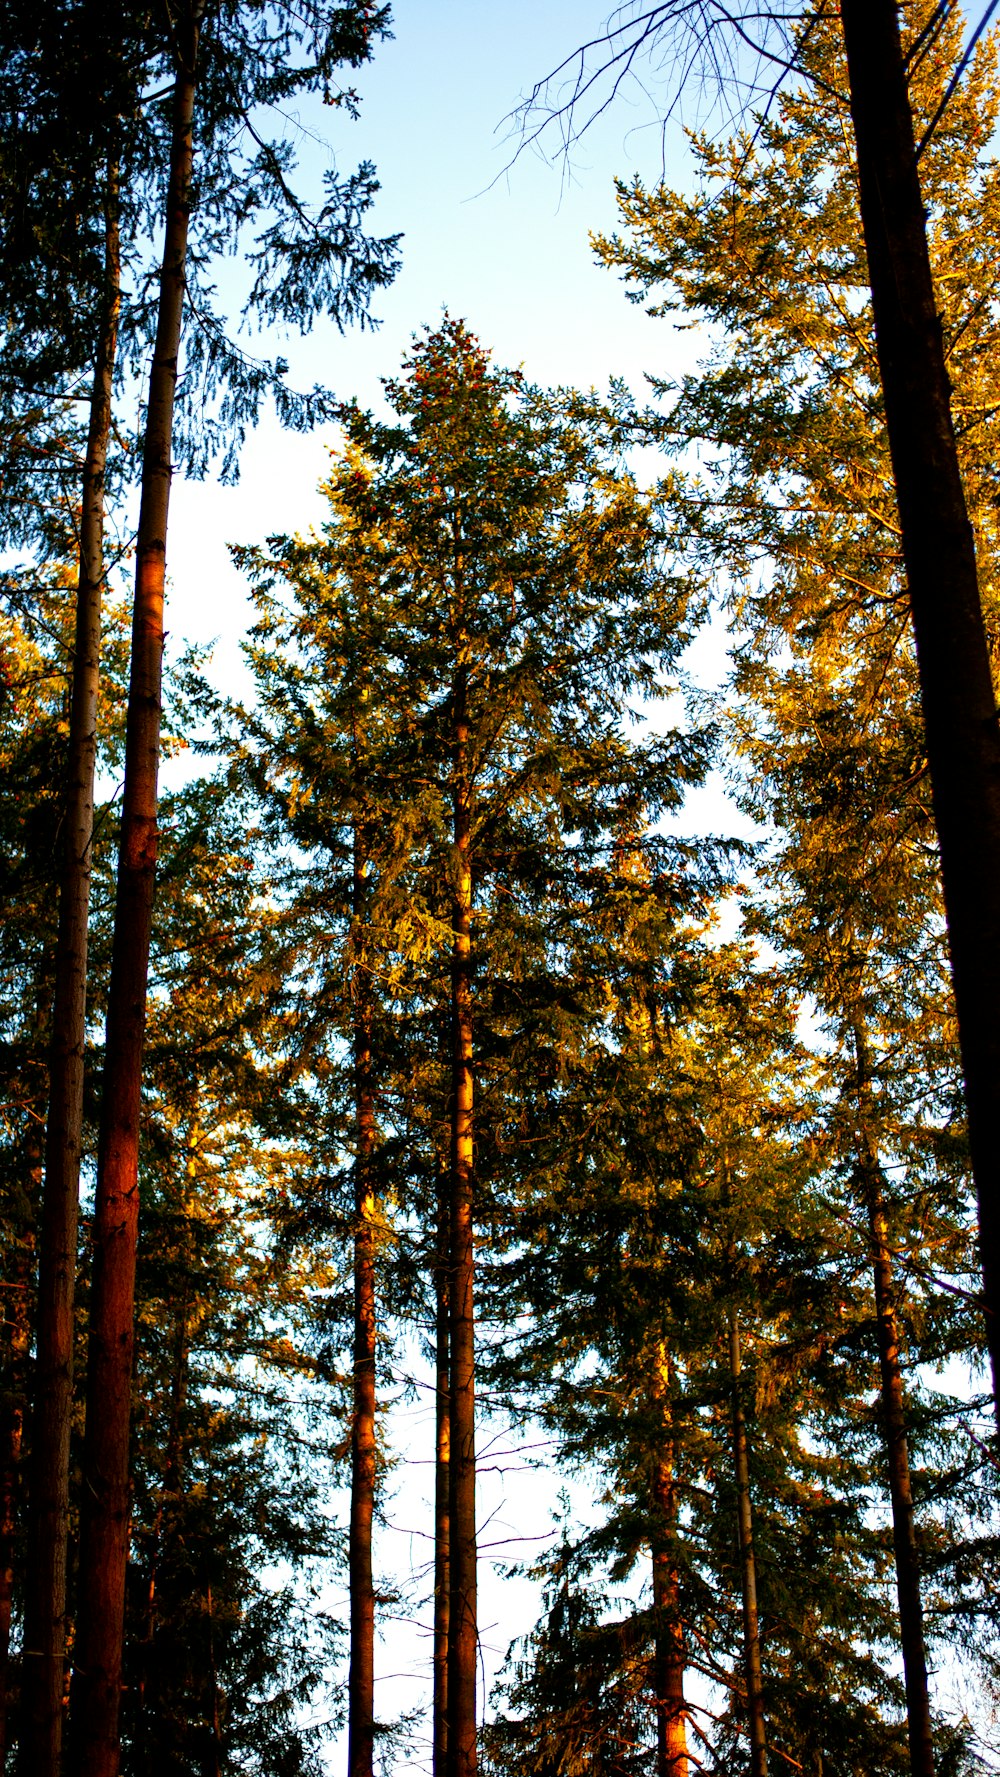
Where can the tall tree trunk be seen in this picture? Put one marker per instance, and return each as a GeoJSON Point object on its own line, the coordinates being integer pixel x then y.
{"type": "Point", "coordinates": [361, 1680]}
{"type": "Point", "coordinates": [893, 1411]}
{"type": "Point", "coordinates": [463, 1645]}
{"type": "Point", "coordinates": [170, 1490]}
{"type": "Point", "coordinates": [44, 1676]}
{"type": "Point", "coordinates": [744, 1515]}
{"type": "Point", "coordinates": [669, 1652]}
{"type": "Point", "coordinates": [215, 1768]}
{"type": "Point", "coordinates": [442, 1465]}
{"type": "Point", "coordinates": [959, 706]}
{"type": "Point", "coordinates": [105, 1497]}
{"type": "Point", "coordinates": [16, 1344]}
{"type": "Point", "coordinates": [15, 1305]}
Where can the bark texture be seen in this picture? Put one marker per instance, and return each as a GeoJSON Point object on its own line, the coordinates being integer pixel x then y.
{"type": "Point", "coordinates": [463, 1645]}
{"type": "Point", "coordinates": [44, 1677]}
{"type": "Point", "coordinates": [959, 707]}
{"type": "Point", "coordinates": [748, 1563]}
{"type": "Point", "coordinates": [361, 1680]}
{"type": "Point", "coordinates": [145, 1697]}
{"type": "Point", "coordinates": [15, 1343]}
{"type": "Point", "coordinates": [893, 1412]}
{"type": "Point", "coordinates": [105, 1514]}
{"type": "Point", "coordinates": [669, 1652]}
{"type": "Point", "coordinates": [442, 1466]}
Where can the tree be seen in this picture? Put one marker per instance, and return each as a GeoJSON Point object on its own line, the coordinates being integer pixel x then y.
{"type": "Point", "coordinates": [498, 562]}
{"type": "Point", "coordinates": [38, 664]}
{"type": "Point", "coordinates": [225, 1662]}
{"type": "Point", "coordinates": [831, 730]}
{"type": "Point", "coordinates": [328, 264]}
{"type": "Point", "coordinates": [947, 610]}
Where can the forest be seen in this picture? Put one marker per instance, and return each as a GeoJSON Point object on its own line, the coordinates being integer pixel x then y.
{"type": "Point", "coordinates": [382, 1025]}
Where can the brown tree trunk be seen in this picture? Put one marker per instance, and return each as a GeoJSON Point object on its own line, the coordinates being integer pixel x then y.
{"type": "Point", "coordinates": [893, 1410]}
{"type": "Point", "coordinates": [170, 1490]}
{"type": "Point", "coordinates": [669, 1651]}
{"type": "Point", "coordinates": [960, 717]}
{"type": "Point", "coordinates": [15, 1305]}
{"type": "Point", "coordinates": [361, 1680]}
{"type": "Point", "coordinates": [463, 1644]}
{"type": "Point", "coordinates": [44, 1676]}
{"type": "Point", "coordinates": [215, 1769]}
{"type": "Point", "coordinates": [16, 1343]}
{"type": "Point", "coordinates": [105, 1496]}
{"type": "Point", "coordinates": [744, 1515]}
{"type": "Point", "coordinates": [442, 1464]}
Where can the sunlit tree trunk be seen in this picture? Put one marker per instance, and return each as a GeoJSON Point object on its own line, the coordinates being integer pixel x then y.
{"type": "Point", "coordinates": [463, 1648]}
{"type": "Point", "coordinates": [669, 1652]}
{"type": "Point", "coordinates": [442, 1465]}
{"type": "Point", "coordinates": [105, 1493]}
{"type": "Point", "coordinates": [44, 1674]}
{"type": "Point", "coordinates": [361, 1680]}
{"type": "Point", "coordinates": [15, 1344]}
{"type": "Point", "coordinates": [748, 1562]}
{"type": "Point", "coordinates": [960, 717]}
{"type": "Point", "coordinates": [15, 1354]}
{"type": "Point", "coordinates": [893, 1410]}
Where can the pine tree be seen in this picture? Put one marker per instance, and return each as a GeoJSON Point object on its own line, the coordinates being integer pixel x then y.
{"type": "Point", "coordinates": [327, 265]}
{"type": "Point", "coordinates": [511, 571]}
{"type": "Point", "coordinates": [38, 666]}
{"type": "Point", "coordinates": [834, 724]}
{"type": "Point", "coordinates": [904, 104]}
{"type": "Point", "coordinates": [232, 1436]}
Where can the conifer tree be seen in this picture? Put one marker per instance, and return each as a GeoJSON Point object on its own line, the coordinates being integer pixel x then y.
{"type": "Point", "coordinates": [38, 665]}
{"type": "Point", "coordinates": [327, 266]}
{"type": "Point", "coordinates": [836, 728]}
{"type": "Point", "coordinates": [902, 80]}
{"type": "Point", "coordinates": [513, 568]}
{"type": "Point", "coordinates": [225, 1664]}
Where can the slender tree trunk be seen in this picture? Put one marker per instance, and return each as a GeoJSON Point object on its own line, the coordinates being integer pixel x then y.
{"type": "Point", "coordinates": [173, 1479]}
{"type": "Point", "coordinates": [215, 1769]}
{"type": "Point", "coordinates": [442, 1481]}
{"type": "Point", "coordinates": [44, 1676]}
{"type": "Point", "coordinates": [960, 716]}
{"type": "Point", "coordinates": [744, 1513]}
{"type": "Point", "coordinates": [361, 1680]}
{"type": "Point", "coordinates": [105, 1497]}
{"type": "Point", "coordinates": [893, 1410]}
{"type": "Point", "coordinates": [16, 1343]}
{"type": "Point", "coordinates": [463, 1644]}
{"type": "Point", "coordinates": [15, 1304]}
{"type": "Point", "coordinates": [669, 1652]}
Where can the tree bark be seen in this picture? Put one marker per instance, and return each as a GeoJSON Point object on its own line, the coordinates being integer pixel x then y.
{"type": "Point", "coordinates": [105, 1497]}
{"type": "Point", "coordinates": [44, 1675]}
{"type": "Point", "coordinates": [442, 1464]}
{"type": "Point", "coordinates": [959, 706]}
{"type": "Point", "coordinates": [744, 1514]}
{"type": "Point", "coordinates": [16, 1341]}
{"type": "Point", "coordinates": [170, 1491]}
{"type": "Point", "coordinates": [15, 1305]}
{"type": "Point", "coordinates": [463, 1644]}
{"type": "Point", "coordinates": [669, 1651]}
{"type": "Point", "coordinates": [893, 1412]}
{"type": "Point", "coordinates": [361, 1680]}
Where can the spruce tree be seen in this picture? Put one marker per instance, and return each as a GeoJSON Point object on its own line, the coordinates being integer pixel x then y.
{"type": "Point", "coordinates": [512, 570]}
{"type": "Point", "coordinates": [834, 725]}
